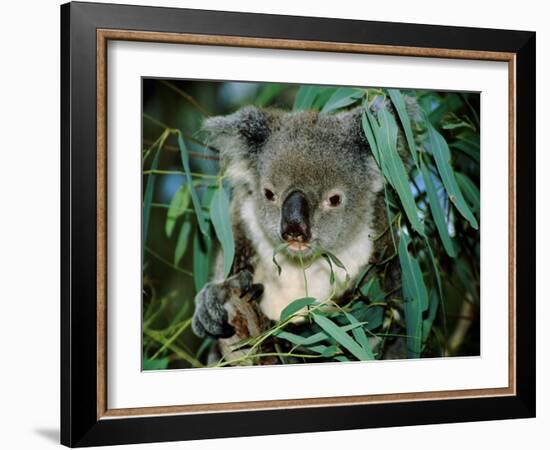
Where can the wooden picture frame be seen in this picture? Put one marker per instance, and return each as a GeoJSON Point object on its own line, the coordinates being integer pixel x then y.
{"type": "Point", "coordinates": [85, 416]}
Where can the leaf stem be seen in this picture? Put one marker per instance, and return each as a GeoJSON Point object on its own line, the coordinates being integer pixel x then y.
{"type": "Point", "coordinates": [173, 148]}
{"type": "Point", "coordinates": [178, 351]}
{"type": "Point", "coordinates": [304, 273]}
{"type": "Point", "coordinates": [263, 355]}
{"type": "Point", "coordinates": [186, 96]}
{"type": "Point", "coordinates": [172, 338]}
{"type": "Point", "coordinates": [179, 172]}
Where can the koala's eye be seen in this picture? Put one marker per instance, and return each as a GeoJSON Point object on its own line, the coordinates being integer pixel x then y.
{"type": "Point", "coordinates": [269, 195]}
{"type": "Point", "coordinates": [334, 200]}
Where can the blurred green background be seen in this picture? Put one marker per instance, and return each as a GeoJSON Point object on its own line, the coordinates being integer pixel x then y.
{"type": "Point", "coordinates": [173, 272]}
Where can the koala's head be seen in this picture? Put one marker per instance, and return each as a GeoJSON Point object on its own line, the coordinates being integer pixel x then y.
{"type": "Point", "coordinates": [310, 176]}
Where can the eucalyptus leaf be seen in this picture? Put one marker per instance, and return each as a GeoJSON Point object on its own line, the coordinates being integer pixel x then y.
{"type": "Point", "coordinates": [268, 93]}
{"type": "Point", "coordinates": [452, 102]}
{"type": "Point", "coordinates": [437, 212]}
{"type": "Point", "coordinates": [432, 311]}
{"type": "Point", "coordinates": [416, 297]}
{"type": "Point", "coordinates": [333, 259]}
{"type": "Point", "coordinates": [393, 167]}
{"type": "Point", "coordinates": [343, 96]}
{"type": "Point", "coordinates": [360, 336]}
{"type": "Point", "coordinates": [369, 134]}
{"type": "Point", "coordinates": [295, 306]}
{"type": "Point", "coordinates": [322, 98]}
{"type": "Point", "coordinates": [438, 283]}
{"type": "Point", "coordinates": [149, 190]}
{"type": "Point", "coordinates": [155, 364]}
{"type": "Point", "coordinates": [457, 124]}
{"type": "Point", "coordinates": [178, 205]}
{"type": "Point", "coordinates": [365, 288]}
{"type": "Point", "coordinates": [372, 290]}
{"type": "Point", "coordinates": [362, 275]}
{"type": "Point", "coordinates": [184, 155]}
{"type": "Point", "coordinates": [305, 97]}
{"type": "Point", "coordinates": [313, 339]}
{"type": "Point", "coordinates": [324, 350]}
{"type": "Point", "coordinates": [201, 259]}
{"type": "Point", "coordinates": [470, 149]}
{"type": "Point", "coordinates": [470, 190]}
{"type": "Point", "coordinates": [341, 337]}
{"type": "Point", "coordinates": [148, 197]}
{"type": "Point", "coordinates": [371, 315]}
{"type": "Point", "coordinates": [399, 104]}
{"type": "Point", "coordinates": [374, 316]}
{"type": "Point", "coordinates": [442, 156]}
{"type": "Point", "coordinates": [219, 215]}
{"type": "Point", "coordinates": [182, 243]}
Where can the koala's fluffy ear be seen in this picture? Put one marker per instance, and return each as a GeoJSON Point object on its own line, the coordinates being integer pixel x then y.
{"type": "Point", "coordinates": [240, 137]}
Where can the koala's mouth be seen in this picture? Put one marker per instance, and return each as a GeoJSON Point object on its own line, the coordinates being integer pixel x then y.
{"type": "Point", "coordinates": [298, 249]}
{"type": "Point", "coordinates": [297, 246]}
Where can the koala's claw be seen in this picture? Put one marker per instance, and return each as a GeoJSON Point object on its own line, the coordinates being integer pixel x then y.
{"type": "Point", "coordinates": [210, 318]}
{"type": "Point", "coordinates": [255, 291]}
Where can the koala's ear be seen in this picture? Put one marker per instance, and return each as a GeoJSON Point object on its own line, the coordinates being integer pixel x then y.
{"type": "Point", "coordinates": [249, 125]}
{"type": "Point", "coordinates": [240, 137]}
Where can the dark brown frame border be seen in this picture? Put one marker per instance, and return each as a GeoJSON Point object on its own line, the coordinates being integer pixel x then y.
{"type": "Point", "coordinates": [86, 29]}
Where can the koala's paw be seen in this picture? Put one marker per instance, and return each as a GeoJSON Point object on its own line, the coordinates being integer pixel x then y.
{"type": "Point", "coordinates": [210, 318]}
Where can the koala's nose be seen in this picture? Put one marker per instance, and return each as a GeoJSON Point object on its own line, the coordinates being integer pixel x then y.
{"type": "Point", "coordinates": [295, 218]}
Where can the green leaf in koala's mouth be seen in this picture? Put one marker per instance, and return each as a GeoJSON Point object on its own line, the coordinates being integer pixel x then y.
{"type": "Point", "coordinates": [332, 259]}
{"type": "Point", "coordinates": [276, 251]}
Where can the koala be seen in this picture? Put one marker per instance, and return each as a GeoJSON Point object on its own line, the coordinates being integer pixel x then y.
{"type": "Point", "coordinates": [309, 180]}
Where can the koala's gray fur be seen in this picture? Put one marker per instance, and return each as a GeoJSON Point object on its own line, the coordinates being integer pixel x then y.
{"type": "Point", "coordinates": [319, 155]}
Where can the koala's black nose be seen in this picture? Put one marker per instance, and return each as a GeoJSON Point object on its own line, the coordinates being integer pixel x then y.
{"type": "Point", "coordinates": [295, 218]}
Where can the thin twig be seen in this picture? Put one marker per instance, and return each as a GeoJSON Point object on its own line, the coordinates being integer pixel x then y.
{"type": "Point", "coordinates": [186, 136]}
{"type": "Point", "coordinates": [168, 263]}
{"type": "Point", "coordinates": [186, 96]}
{"type": "Point", "coordinates": [263, 355]}
{"type": "Point", "coordinates": [173, 148]}
{"type": "Point", "coordinates": [156, 121]}
{"type": "Point", "coordinates": [178, 172]}
{"type": "Point", "coordinates": [167, 206]}
{"type": "Point", "coordinates": [178, 351]}
{"type": "Point", "coordinates": [172, 338]}
{"type": "Point", "coordinates": [304, 273]}
{"type": "Point", "coordinates": [375, 238]}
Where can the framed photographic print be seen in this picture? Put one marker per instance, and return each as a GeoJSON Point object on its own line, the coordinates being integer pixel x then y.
{"type": "Point", "coordinates": [276, 224]}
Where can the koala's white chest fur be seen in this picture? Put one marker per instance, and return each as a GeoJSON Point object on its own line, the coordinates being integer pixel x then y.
{"type": "Point", "coordinates": [280, 290]}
